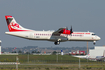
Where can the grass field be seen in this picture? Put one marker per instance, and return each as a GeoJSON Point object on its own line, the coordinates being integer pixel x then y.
{"type": "Point", "coordinates": [50, 62]}
{"type": "Point", "coordinates": [53, 67]}
{"type": "Point", "coordinates": [40, 58]}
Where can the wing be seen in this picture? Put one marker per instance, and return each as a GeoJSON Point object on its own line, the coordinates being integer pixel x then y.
{"type": "Point", "coordinates": [59, 31]}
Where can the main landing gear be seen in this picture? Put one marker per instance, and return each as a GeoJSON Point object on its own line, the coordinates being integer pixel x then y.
{"type": "Point", "coordinates": [57, 42]}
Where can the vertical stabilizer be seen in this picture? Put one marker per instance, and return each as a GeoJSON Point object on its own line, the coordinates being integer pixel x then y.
{"type": "Point", "coordinates": [13, 25]}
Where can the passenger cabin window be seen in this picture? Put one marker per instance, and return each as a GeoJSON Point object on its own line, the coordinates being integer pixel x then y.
{"type": "Point", "coordinates": [93, 34]}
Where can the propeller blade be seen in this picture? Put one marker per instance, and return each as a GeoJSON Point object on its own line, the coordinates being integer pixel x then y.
{"type": "Point", "coordinates": [71, 30]}
{"type": "Point", "coordinates": [66, 28]}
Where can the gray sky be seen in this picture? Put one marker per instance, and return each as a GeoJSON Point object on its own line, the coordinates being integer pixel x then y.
{"type": "Point", "coordinates": [83, 15]}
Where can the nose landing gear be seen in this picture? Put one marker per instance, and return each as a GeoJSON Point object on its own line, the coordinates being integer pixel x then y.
{"type": "Point", "coordinates": [94, 42]}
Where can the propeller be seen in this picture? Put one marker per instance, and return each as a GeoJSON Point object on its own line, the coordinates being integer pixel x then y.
{"type": "Point", "coordinates": [71, 30]}
{"type": "Point", "coordinates": [66, 28]}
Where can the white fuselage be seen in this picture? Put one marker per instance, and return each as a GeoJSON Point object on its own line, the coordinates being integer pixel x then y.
{"type": "Point", "coordinates": [48, 35]}
{"type": "Point", "coordinates": [61, 35]}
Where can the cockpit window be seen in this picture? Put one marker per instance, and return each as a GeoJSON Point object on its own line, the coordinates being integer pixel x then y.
{"type": "Point", "coordinates": [93, 34]}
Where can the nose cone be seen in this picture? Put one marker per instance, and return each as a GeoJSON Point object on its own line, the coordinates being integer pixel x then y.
{"type": "Point", "coordinates": [98, 38]}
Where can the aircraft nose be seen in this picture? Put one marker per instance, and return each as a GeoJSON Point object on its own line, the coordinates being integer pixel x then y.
{"type": "Point", "coordinates": [98, 38]}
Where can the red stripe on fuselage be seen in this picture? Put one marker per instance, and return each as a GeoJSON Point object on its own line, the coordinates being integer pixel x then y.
{"type": "Point", "coordinates": [80, 33]}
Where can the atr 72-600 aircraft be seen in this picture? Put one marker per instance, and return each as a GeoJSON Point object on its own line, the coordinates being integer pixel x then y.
{"type": "Point", "coordinates": [61, 35]}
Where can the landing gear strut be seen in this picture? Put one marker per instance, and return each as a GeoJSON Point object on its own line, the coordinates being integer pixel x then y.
{"type": "Point", "coordinates": [94, 42]}
{"type": "Point", "coordinates": [57, 42]}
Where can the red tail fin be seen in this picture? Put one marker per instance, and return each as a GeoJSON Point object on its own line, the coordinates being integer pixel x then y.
{"type": "Point", "coordinates": [13, 25]}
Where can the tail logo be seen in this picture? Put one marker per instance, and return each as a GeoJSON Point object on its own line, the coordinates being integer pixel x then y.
{"type": "Point", "coordinates": [14, 26]}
